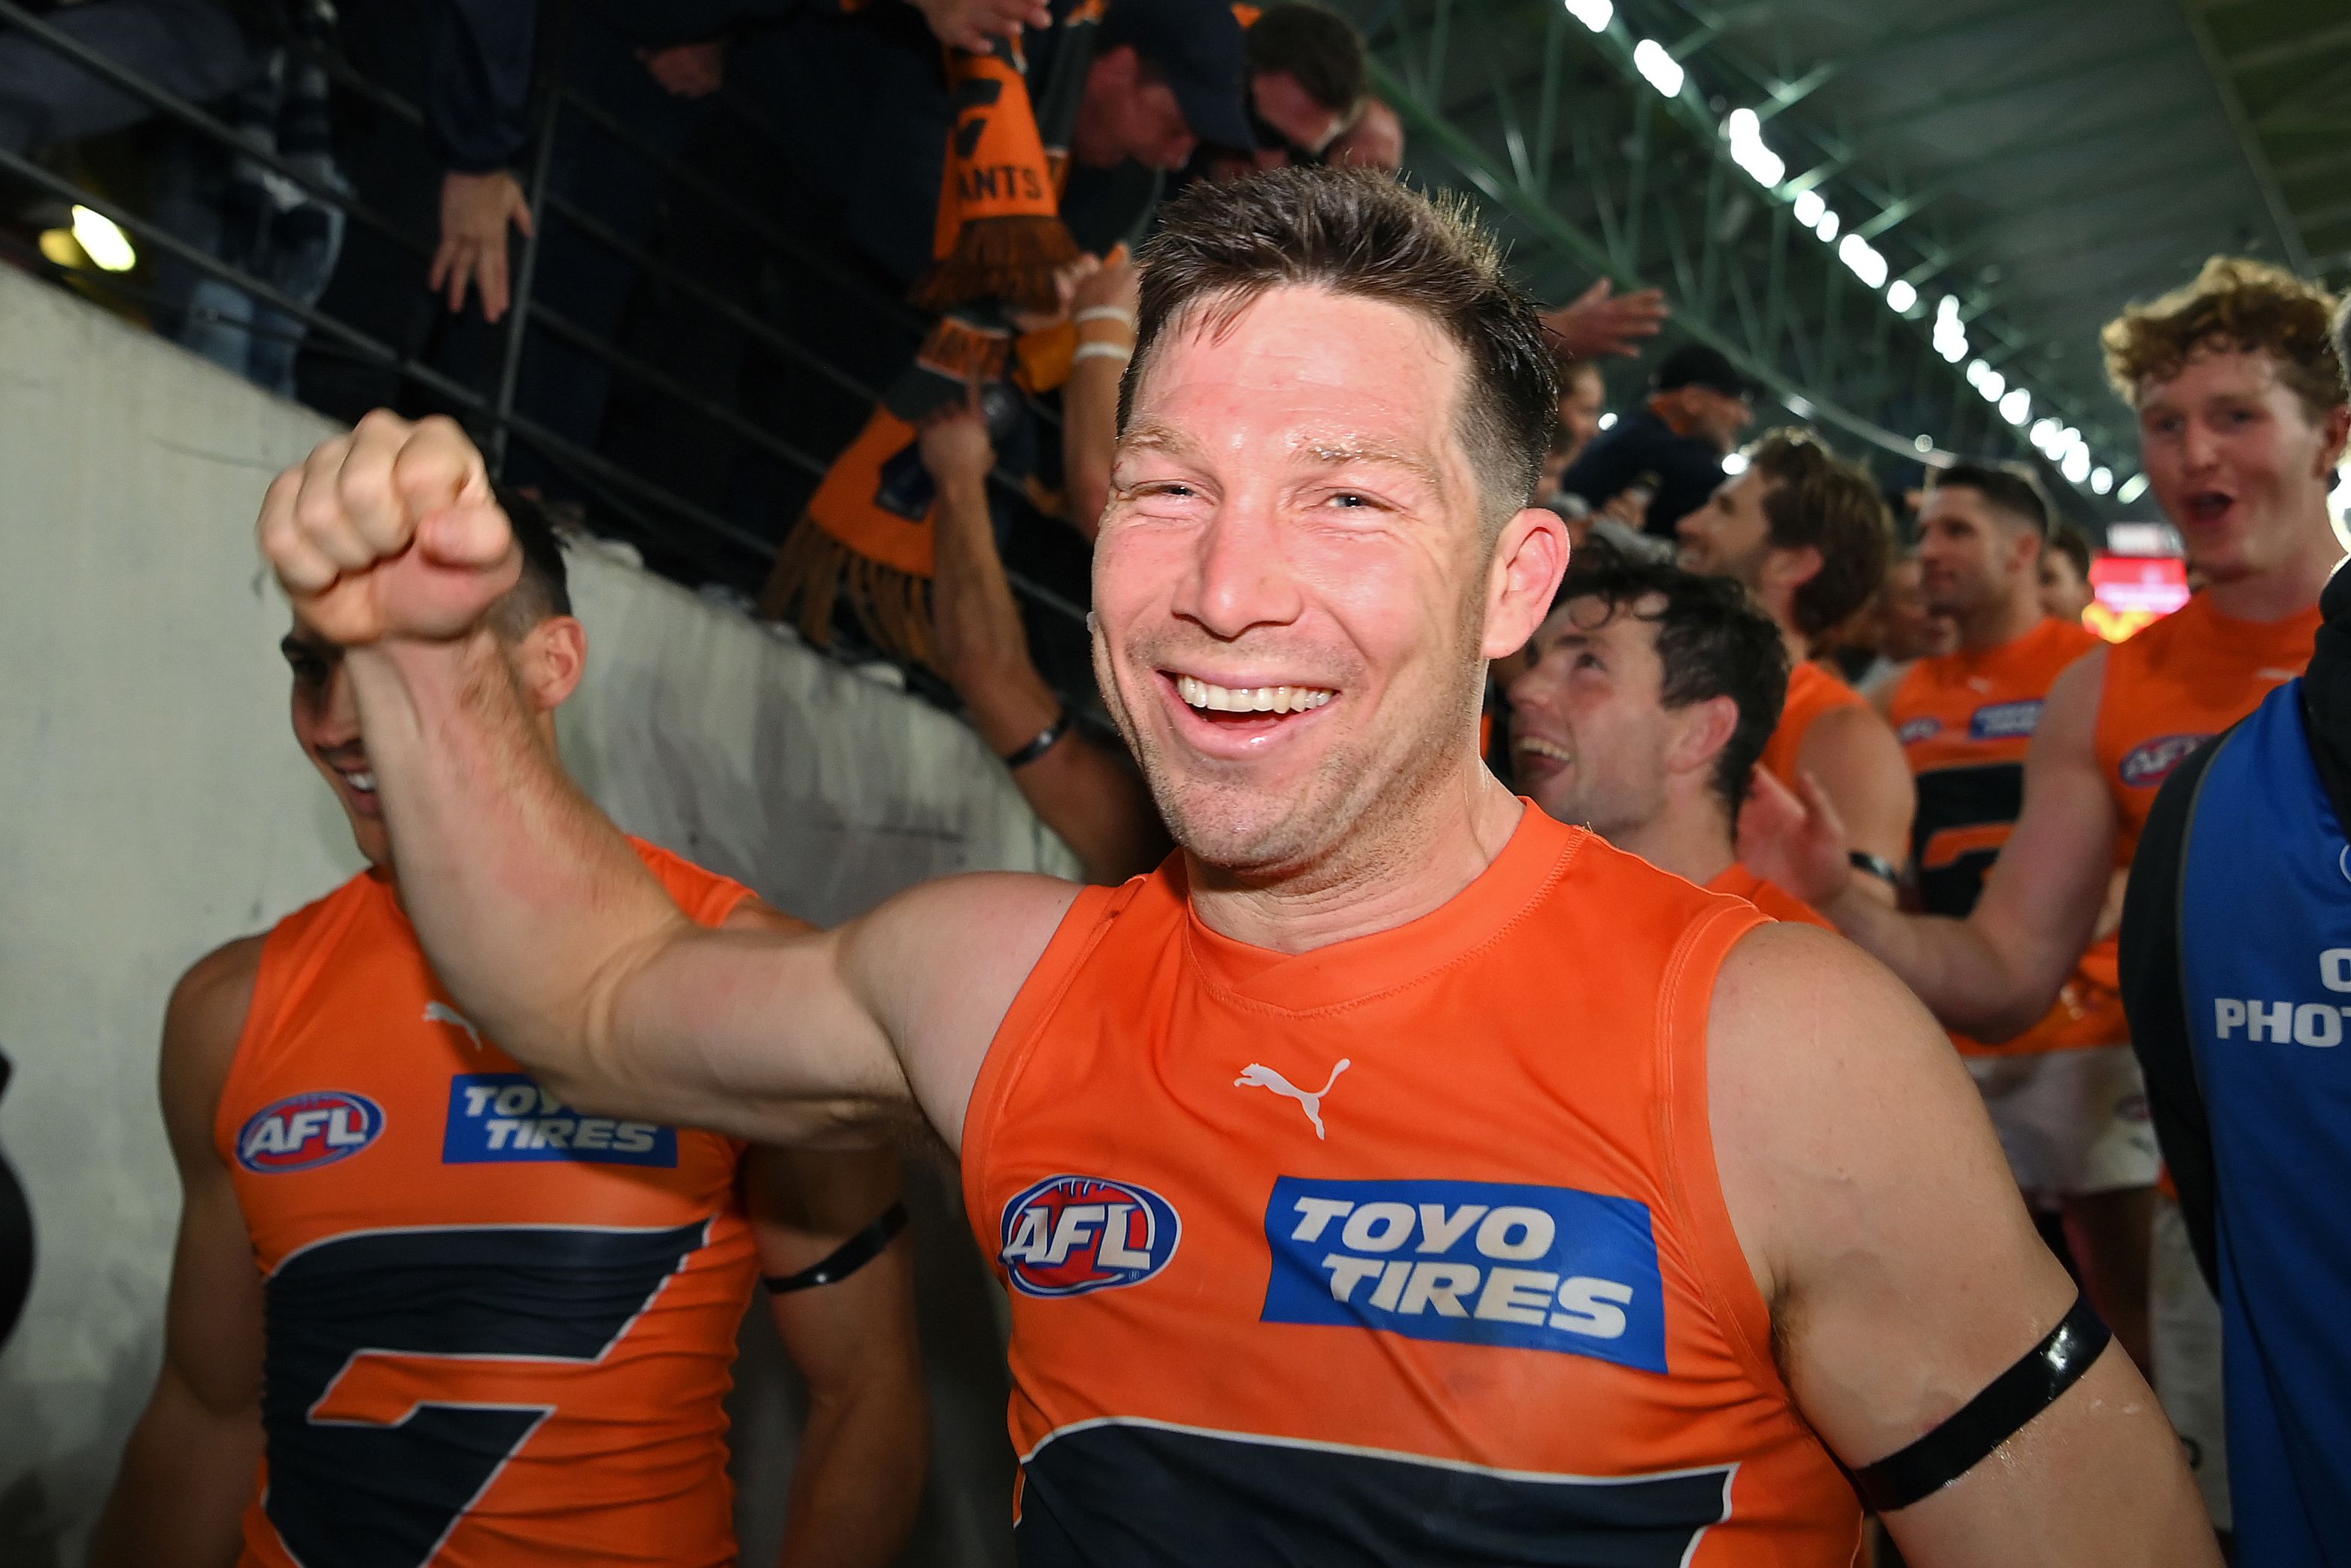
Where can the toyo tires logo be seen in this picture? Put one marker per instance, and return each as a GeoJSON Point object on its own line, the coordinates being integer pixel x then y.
{"type": "Point", "coordinates": [1071, 1234]}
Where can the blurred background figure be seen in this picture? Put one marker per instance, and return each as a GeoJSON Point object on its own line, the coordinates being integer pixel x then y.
{"type": "Point", "coordinates": [2065, 591]}
{"type": "Point", "coordinates": [1662, 461]}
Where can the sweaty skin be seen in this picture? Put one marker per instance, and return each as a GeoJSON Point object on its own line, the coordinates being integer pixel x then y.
{"type": "Point", "coordinates": [1293, 511]}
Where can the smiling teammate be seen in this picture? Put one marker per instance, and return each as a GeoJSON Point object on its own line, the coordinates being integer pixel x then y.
{"type": "Point", "coordinates": [1646, 698]}
{"type": "Point", "coordinates": [1628, 1209]}
{"type": "Point", "coordinates": [1808, 536]}
{"type": "Point", "coordinates": [487, 1328]}
{"type": "Point", "coordinates": [2065, 1096]}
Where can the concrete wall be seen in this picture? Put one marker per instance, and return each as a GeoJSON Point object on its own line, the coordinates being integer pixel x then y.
{"type": "Point", "coordinates": [152, 805]}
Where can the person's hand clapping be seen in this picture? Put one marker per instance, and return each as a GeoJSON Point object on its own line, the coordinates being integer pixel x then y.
{"type": "Point", "coordinates": [1601, 322]}
{"type": "Point", "coordinates": [1796, 840]}
{"type": "Point", "coordinates": [390, 532]}
{"type": "Point", "coordinates": [974, 24]}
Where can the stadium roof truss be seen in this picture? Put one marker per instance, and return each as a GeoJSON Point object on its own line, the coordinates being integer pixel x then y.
{"type": "Point", "coordinates": [1896, 217]}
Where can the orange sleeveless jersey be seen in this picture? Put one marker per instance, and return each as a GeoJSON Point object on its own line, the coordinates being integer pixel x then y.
{"type": "Point", "coordinates": [1768, 896]}
{"type": "Point", "coordinates": [1408, 1250]}
{"type": "Point", "coordinates": [2169, 687]}
{"type": "Point", "coordinates": [1966, 720]}
{"type": "Point", "coordinates": [1812, 692]}
{"type": "Point", "coordinates": [498, 1331]}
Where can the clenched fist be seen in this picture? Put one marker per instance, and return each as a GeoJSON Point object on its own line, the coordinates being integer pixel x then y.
{"type": "Point", "coordinates": [390, 531]}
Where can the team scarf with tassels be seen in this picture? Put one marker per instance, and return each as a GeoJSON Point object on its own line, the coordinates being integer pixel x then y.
{"type": "Point", "coordinates": [866, 536]}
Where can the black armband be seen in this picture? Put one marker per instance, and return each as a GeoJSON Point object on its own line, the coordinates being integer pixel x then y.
{"type": "Point", "coordinates": [1988, 1420]}
{"type": "Point", "coordinates": [1878, 866]}
{"type": "Point", "coordinates": [846, 1259]}
{"type": "Point", "coordinates": [1042, 742]}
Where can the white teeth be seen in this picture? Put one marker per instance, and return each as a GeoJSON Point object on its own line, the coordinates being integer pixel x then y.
{"type": "Point", "coordinates": [1542, 748]}
{"type": "Point", "coordinates": [1199, 693]}
{"type": "Point", "coordinates": [362, 781]}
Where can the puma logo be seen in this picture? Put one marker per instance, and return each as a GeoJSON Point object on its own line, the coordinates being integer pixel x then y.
{"type": "Point", "coordinates": [442, 1012]}
{"type": "Point", "coordinates": [1258, 1076]}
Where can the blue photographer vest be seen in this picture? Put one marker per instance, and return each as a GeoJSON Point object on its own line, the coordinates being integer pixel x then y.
{"type": "Point", "coordinates": [2265, 964]}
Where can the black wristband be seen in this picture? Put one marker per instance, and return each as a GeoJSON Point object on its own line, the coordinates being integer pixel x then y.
{"type": "Point", "coordinates": [1988, 1420]}
{"type": "Point", "coordinates": [846, 1259]}
{"type": "Point", "coordinates": [1042, 744]}
{"type": "Point", "coordinates": [1878, 866]}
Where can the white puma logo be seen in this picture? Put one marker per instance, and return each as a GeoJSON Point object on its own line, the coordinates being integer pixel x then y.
{"type": "Point", "coordinates": [1256, 1075]}
{"type": "Point", "coordinates": [442, 1012]}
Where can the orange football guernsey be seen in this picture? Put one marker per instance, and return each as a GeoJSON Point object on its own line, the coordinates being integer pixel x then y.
{"type": "Point", "coordinates": [1966, 720]}
{"type": "Point", "coordinates": [498, 1331]}
{"type": "Point", "coordinates": [1408, 1250]}
{"type": "Point", "coordinates": [1768, 896]}
{"type": "Point", "coordinates": [2168, 688]}
{"type": "Point", "coordinates": [1812, 692]}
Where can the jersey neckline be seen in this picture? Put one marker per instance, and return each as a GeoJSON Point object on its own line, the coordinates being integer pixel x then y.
{"type": "Point", "coordinates": [1377, 963]}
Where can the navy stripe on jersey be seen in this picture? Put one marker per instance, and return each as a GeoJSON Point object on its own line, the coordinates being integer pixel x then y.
{"type": "Point", "coordinates": [1951, 799]}
{"type": "Point", "coordinates": [1138, 1494]}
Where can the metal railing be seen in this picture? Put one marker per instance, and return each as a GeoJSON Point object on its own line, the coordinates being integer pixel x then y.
{"type": "Point", "coordinates": [619, 502]}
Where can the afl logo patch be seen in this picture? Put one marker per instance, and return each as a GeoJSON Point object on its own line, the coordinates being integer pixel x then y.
{"type": "Point", "coordinates": [1923, 728]}
{"type": "Point", "coordinates": [2150, 763]}
{"type": "Point", "coordinates": [304, 1131]}
{"type": "Point", "coordinates": [1071, 1234]}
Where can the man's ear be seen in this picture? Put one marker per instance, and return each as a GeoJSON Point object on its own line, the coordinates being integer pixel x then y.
{"type": "Point", "coordinates": [1790, 570]}
{"type": "Point", "coordinates": [2334, 434]}
{"type": "Point", "coordinates": [550, 660]}
{"type": "Point", "coordinates": [1530, 558]}
{"type": "Point", "coordinates": [1706, 727]}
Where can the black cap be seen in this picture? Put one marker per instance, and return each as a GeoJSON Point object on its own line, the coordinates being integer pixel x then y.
{"type": "Point", "coordinates": [1696, 365]}
{"type": "Point", "coordinates": [1198, 45]}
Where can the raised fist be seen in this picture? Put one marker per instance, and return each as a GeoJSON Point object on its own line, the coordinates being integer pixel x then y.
{"type": "Point", "coordinates": [390, 531]}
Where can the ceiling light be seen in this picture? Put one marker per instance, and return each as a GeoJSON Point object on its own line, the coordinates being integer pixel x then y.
{"type": "Point", "coordinates": [2076, 465]}
{"type": "Point", "coordinates": [1977, 370]}
{"type": "Point", "coordinates": [105, 243]}
{"type": "Point", "coordinates": [2133, 488]}
{"type": "Point", "coordinates": [1828, 225]}
{"type": "Point", "coordinates": [2102, 480]}
{"type": "Point", "coordinates": [1607, 422]}
{"type": "Point", "coordinates": [1744, 133]}
{"type": "Point", "coordinates": [1900, 296]}
{"type": "Point", "coordinates": [1991, 383]}
{"type": "Point", "coordinates": [1735, 463]}
{"type": "Point", "coordinates": [1952, 348]}
{"type": "Point", "coordinates": [2043, 432]}
{"type": "Point", "coordinates": [1592, 13]}
{"type": "Point", "coordinates": [1861, 259]}
{"type": "Point", "coordinates": [2016, 405]}
{"type": "Point", "coordinates": [1658, 68]}
{"type": "Point", "coordinates": [1809, 207]}
{"type": "Point", "coordinates": [1923, 443]}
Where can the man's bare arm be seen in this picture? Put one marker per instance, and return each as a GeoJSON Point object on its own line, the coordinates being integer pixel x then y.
{"type": "Point", "coordinates": [1093, 800]}
{"type": "Point", "coordinates": [857, 1476]}
{"type": "Point", "coordinates": [192, 1459]}
{"type": "Point", "coordinates": [1883, 1227]}
{"type": "Point", "coordinates": [1994, 973]}
{"type": "Point", "coordinates": [1853, 754]}
{"type": "Point", "coordinates": [534, 910]}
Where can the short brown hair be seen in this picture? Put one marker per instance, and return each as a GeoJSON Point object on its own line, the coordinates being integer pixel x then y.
{"type": "Point", "coordinates": [2003, 488]}
{"type": "Point", "coordinates": [2245, 304]}
{"type": "Point", "coordinates": [1318, 47]}
{"type": "Point", "coordinates": [1358, 233]}
{"type": "Point", "coordinates": [2071, 542]}
{"type": "Point", "coordinates": [1819, 501]}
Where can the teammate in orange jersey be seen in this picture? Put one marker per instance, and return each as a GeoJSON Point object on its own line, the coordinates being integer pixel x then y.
{"type": "Point", "coordinates": [1809, 537]}
{"type": "Point", "coordinates": [1395, 1174]}
{"type": "Point", "coordinates": [1645, 699]}
{"type": "Point", "coordinates": [487, 1328]}
{"type": "Point", "coordinates": [2243, 418]}
{"type": "Point", "coordinates": [2065, 1096]}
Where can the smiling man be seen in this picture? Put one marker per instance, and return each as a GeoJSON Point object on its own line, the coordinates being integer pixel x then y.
{"type": "Point", "coordinates": [1395, 1174]}
{"type": "Point", "coordinates": [1645, 700]}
